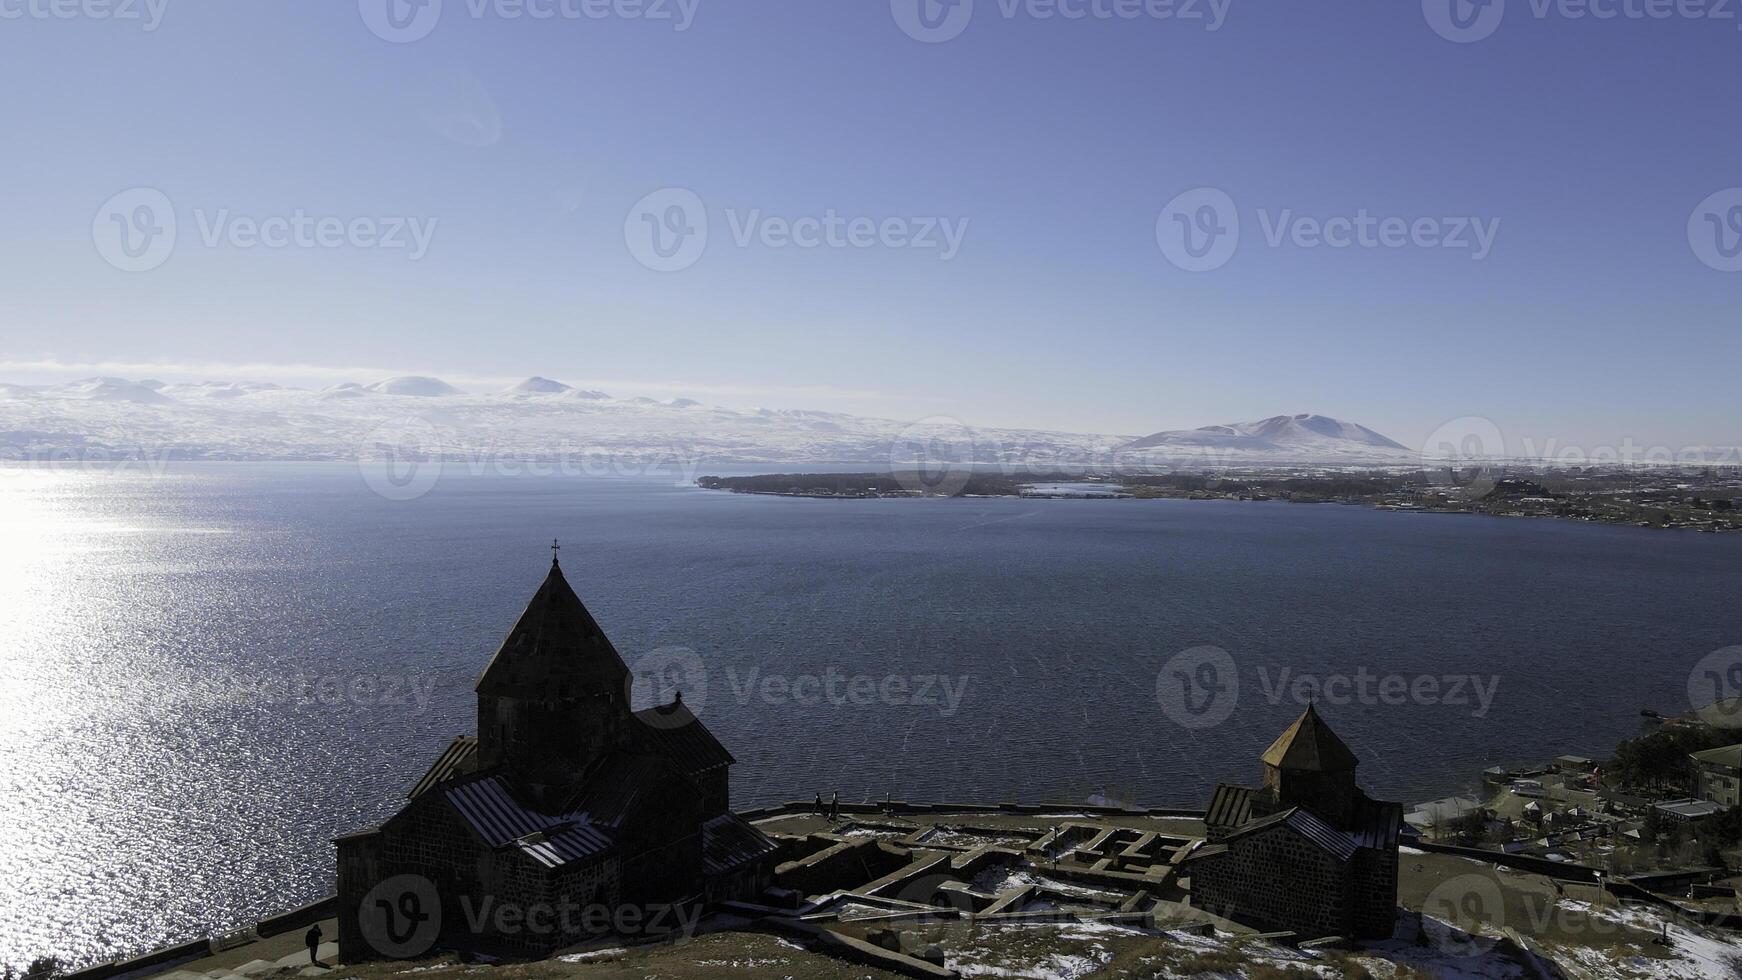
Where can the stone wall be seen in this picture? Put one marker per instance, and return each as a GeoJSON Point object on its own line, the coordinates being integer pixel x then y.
{"type": "Point", "coordinates": [1276, 878]}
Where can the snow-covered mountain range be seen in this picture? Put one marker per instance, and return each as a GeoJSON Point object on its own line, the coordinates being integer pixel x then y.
{"type": "Point", "coordinates": [537, 418]}
{"type": "Point", "coordinates": [542, 418]}
{"type": "Point", "coordinates": [1290, 436]}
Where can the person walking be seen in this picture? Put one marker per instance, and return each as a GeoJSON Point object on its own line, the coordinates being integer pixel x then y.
{"type": "Point", "coordinates": [313, 939]}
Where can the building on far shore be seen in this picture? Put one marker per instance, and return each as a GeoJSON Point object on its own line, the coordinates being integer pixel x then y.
{"type": "Point", "coordinates": [1718, 773]}
{"type": "Point", "coordinates": [1437, 816]}
{"type": "Point", "coordinates": [565, 799]}
{"type": "Point", "coordinates": [1687, 811]}
{"type": "Point", "coordinates": [1308, 851]}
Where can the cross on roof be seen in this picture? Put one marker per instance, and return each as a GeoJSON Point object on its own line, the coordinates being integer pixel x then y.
{"type": "Point", "coordinates": [554, 548]}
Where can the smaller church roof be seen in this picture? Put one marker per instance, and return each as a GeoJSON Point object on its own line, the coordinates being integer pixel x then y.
{"type": "Point", "coordinates": [728, 843]}
{"type": "Point", "coordinates": [500, 820]}
{"type": "Point", "coordinates": [673, 731]}
{"type": "Point", "coordinates": [1303, 822]}
{"type": "Point", "coordinates": [1230, 807]}
{"type": "Point", "coordinates": [618, 787]}
{"type": "Point", "coordinates": [1309, 745]}
{"type": "Point", "coordinates": [458, 759]}
{"type": "Point", "coordinates": [556, 644]}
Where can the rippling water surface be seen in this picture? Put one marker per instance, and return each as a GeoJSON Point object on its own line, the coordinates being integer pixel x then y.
{"type": "Point", "coordinates": [208, 672]}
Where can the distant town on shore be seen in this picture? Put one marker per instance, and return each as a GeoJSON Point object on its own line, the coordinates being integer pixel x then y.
{"type": "Point", "coordinates": [1708, 499]}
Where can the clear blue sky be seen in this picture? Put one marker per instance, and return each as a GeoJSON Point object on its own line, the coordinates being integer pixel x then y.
{"type": "Point", "coordinates": [1060, 141]}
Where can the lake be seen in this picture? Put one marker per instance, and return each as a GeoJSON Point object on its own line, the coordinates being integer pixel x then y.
{"type": "Point", "coordinates": [210, 671]}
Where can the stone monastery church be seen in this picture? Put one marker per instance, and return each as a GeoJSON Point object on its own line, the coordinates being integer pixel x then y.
{"type": "Point", "coordinates": [565, 797]}
{"type": "Point", "coordinates": [1307, 851]}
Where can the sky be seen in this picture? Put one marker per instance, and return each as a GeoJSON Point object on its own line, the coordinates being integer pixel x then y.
{"type": "Point", "coordinates": [1145, 215]}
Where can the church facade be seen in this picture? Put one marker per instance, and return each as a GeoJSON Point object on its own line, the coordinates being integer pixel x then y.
{"type": "Point", "coordinates": [566, 802]}
{"type": "Point", "coordinates": [1307, 851]}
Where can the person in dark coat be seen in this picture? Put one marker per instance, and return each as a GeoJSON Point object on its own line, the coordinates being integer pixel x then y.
{"type": "Point", "coordinates": [313, 938]}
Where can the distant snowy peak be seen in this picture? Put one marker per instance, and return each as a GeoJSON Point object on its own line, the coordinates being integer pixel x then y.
{"type": "Point", "coordinates": [1300, 435]}
{"type": "Point", "coordinates": [112, 390]}
{"type": "Point", "coordinates": [539, 386]}
{"type": "Point", "coordinates": [414, 386]}
{"type": "Point", "coordinates": [1312, 429]}
{"type": "Point", "coordinates": [212, 389]}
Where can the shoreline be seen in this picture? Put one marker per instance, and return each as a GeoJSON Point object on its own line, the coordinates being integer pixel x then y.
{"type": "Point", "coordinates": [1730, 527]}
